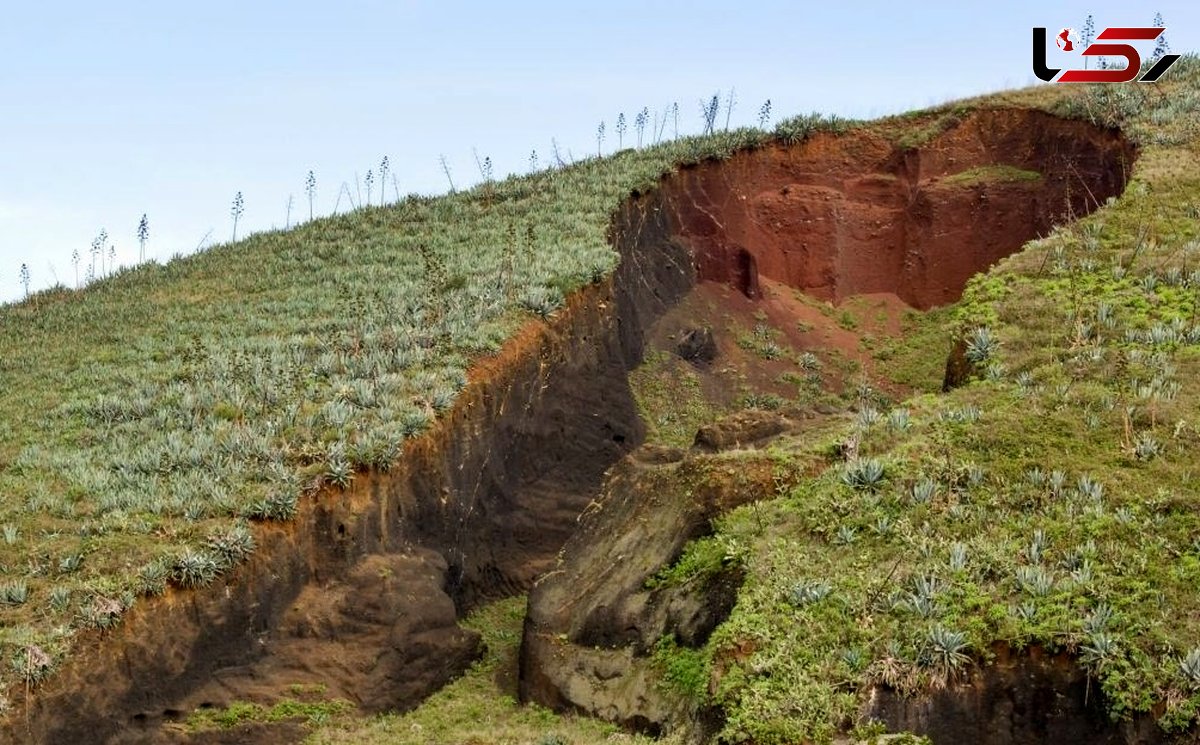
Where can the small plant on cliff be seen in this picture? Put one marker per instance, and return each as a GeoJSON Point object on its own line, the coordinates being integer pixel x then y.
{"type": "Point", "coordinates": [1146, 447]}
{"type": "Point", "coordinates": [1161, 47]}
{"type": "Point", "coordinates": [32, 664]}
{"type": "Point", "coordinates": [14, 593]}
{"type": "Point", "coordinates": [708, 113]}
{"type": "Point", "coordinates": [868, 417]}
{"type": "Point", "coordinates": [981, 345]}
{"type": "Point", "coordinates": [338, 469]}
{"type": "Point", "coordinates": [1100, 650]}
{"type": "Point", "coordinates": [683, 669]}
{"type": "Point", "coordinates": [143, 235]}
{"type": "Point", "coordinates": [922, 491]}
{"type": "Point", "coordinates": [152, 579]}
{"type": "Point", "coordinates": [946, 651]}
{"type": "Point", "coordinates": [195, 569]}
{"type": "Point", "coordinates": [310, 188]}
{"type": "Point", "coordinates": [764, 114]}
{"type": "Point", "coordinates": [639, 123]}
{"type": "Point", "coordinates": [542, 301]}
{"type": "Point", "coordinates": [236, 210]}
{"type": "Point", "coordinates": [1190, 667]}
{"type": "Point", "coordinates": [232, 546]}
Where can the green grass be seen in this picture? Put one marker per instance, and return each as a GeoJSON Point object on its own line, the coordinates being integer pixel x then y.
{"type": "Point", "coordinates": [917, 356]}
{"type": "Point", "coordinates": [670, 399]}
{"type": "Point", "coordinates": [150, 415]}
{"type": "Point", "coordinates": [313, 713]}
{"type": "Point", "coordinates": [992, 175]}
{"type": "Point", "coordinates": [1052, 502]}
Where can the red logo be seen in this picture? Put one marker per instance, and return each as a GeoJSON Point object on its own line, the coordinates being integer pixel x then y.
{"type": "Point", "coordinates": [1067, 38]}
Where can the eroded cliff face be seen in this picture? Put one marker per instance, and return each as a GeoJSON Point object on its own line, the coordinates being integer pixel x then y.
{"type": "Point", "coordinates": [361, 592]}
{"type": "Point", "coordinates": [480, 506]}
{"type": "Point", "coordinates": [1024, 697]}
{"type": "Point", "coordinates": [595, 620]}
{"type": "Point", "coordinates": [832, 217]}
{"type": "Point", "coordinates": [859, 214]}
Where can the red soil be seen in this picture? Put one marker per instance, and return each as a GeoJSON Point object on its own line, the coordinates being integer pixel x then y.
{"type": "Point", "coordinates": [855, 214]}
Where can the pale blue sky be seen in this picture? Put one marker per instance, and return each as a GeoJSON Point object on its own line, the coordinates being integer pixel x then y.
{"type": "Point", "coordinates": [109, 110]}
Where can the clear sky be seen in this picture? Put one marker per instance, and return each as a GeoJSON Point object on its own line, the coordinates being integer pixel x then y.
{"type": "Point", "coordinates": [111, 110]}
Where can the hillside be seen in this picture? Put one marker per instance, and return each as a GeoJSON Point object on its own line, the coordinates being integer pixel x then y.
{"type": "Point", "coordinates": [179, 435]}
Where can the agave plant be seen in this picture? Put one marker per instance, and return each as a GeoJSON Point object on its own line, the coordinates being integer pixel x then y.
{"type": "Point", "coordinates": [1189, 666]}
{"type": "Point", "coordinates": [1145, 447]}
{"type": "Point", "coordinates": [867, 418]}
{"type": "Point", "coordinates": [863, 474]}
{"type": "Point", "coordinates": [1098, 620]}
{"type": "Point", "coordinates": [809, 591]}
{"type": "Point", "coordinates": [898, 420]}
{"type": "Point", "coordinates": [338, 469]}
{"type": "Point", "coordinates": [1101, 648]}
{"type": "Point", "coordinates": [981, 345]}
{"type": "Point", "coordinates": [958, 557]}
{"type": "Point", "coordinates": [14, 593]}
{"type": "Point", "coordinates": [1035, 580]}
{"type": "Point", "coordinates": [232, 546]}
{"type": "Point", "coordinates": [946, 650]}
{"type": "Point", "coordinates": [153, 577]}
{"type": "Point", "coordinates": [922, 491]}
{"type": "Point", "coordinates": [194, 568]}
{"type": "Point", "coordinates": [854, 659]}
{"type": "Point", "coordinates": [846, 535]}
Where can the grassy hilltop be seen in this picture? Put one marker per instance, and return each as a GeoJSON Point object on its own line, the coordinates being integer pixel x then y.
{"type": "Point", "coordinates": [148, 419]}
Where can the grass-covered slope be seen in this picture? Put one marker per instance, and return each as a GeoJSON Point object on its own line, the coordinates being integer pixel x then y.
{"type": "Point", "coordinates": [147, 417]}
{"type": "Point", "coordinates": [1052, 501]}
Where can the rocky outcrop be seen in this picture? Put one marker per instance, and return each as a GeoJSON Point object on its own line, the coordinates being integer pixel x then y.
{"type": "Point", "coordinates": [742, 430]}
{"type": "Point", "coordinates": [593, 621]}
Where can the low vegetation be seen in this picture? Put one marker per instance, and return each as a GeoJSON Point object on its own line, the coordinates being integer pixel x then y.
{"type": "Point", "coordinates": [1047, 503]}
{"type": "Point", "coordinates": [152, 416]}
{"type": "Point", "coordinates": [481, 706]}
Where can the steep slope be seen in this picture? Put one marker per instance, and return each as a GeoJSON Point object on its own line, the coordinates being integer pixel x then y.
{"type": "Point", "coordinates": [373, 384]}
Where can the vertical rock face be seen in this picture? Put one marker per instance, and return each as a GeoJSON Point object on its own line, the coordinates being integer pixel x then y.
{"type": "Point", "coordinates": [1028, 697]}
{"type": "Point", "coordinates": [845, 215]}
{"type": "Point", "coordinates": [593, 622]}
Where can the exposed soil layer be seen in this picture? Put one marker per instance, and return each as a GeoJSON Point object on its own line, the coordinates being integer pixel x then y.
{"type": "Point", "coordinates": [833, 218]}
{"type": "Point", "coordinates": [361, 592]}
{"type": "Point", "coordinates": [1023, 698]}
{"type": "Point", "coordinates": [593, 622]}
{"type": "Point", "coordinates": [363, 579]}
{"type": "Point", "coordinates": [858, 214]}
